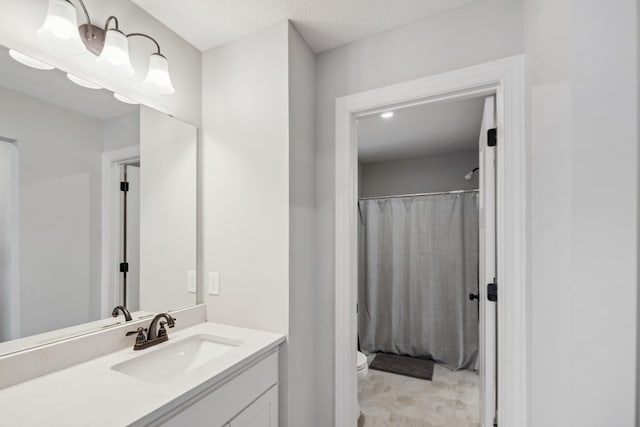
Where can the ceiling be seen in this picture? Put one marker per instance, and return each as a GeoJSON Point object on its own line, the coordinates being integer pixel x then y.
{"type": "Point", "coordinates": [423, 130]}
{"type": "Point", "coordinates": [324, 24]}
{"type": "Point", "coordinates": [54, 87]}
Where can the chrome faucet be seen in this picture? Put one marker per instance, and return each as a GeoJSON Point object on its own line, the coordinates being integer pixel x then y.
{"type": "Point", "coordinates": [122, 309]}
{"type": "Point", "coordinates": [154, 335]}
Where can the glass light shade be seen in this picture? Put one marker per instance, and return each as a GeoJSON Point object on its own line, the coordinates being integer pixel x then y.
{"type": "Point", "coordinates": [60, 27]}
{"type": "Point", "coordinates": [125, 99]}
{"type": "Point", "coordinates": [158, 79]}
{"type": "Point", "coordinates": [82, 82]}
{"type": "Point", "coordinates": [29, 61]}
{"type": "Point", "coordinates": [115, 54]}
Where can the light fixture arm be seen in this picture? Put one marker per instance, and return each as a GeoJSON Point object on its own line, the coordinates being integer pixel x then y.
{"type": "Point", "coordinates": [86, 12]}
{"type": "Point", "coordinates": [148, 37]}
{"type": "Point", "coordinates": [87, 17]}
{"type": "Point", "coordinates": [109, 19]}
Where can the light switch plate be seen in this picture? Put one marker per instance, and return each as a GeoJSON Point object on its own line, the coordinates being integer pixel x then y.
{"type": "Point", "coordinates": [191, 282]}
{"type": "Point", "coordinates": [214, 283]}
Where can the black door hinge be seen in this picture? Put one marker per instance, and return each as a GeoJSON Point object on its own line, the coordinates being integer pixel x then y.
{"type": "Point", "coordinates": [124, 267]}
{"type": "Point", "coordinates": [492, 137]}
{"type": "Point", "coordinates": [492, 292]}
{"type": "Point", "coordinates": [124, 186]}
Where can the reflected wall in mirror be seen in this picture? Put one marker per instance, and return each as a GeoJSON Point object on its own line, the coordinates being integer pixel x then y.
{"type": "Point", "coordinates": [97, 208]}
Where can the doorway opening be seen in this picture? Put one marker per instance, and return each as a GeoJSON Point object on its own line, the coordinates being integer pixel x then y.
{"type": "Point", "coordinates": [426, 181]}
{"type": "Point", "coordinates": [503, 388]}
{"type": "Point", "coordinates": [120, 282]}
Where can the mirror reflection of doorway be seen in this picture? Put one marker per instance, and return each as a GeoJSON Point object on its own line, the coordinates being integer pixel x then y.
{"type": "Point", "coordinates": [9, 237]}
{"type": "Point", "coordinates": [129, 236]}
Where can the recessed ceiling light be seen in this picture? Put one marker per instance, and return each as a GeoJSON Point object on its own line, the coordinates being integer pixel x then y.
{"type": "Point", "coordinates": [124, 99]}
{"type": "Point", "coordinates": [82, 82]}
{"type": "Point", "coordinates": [387, 114]}
{"type": "Point", "coordinates": [29, 61]}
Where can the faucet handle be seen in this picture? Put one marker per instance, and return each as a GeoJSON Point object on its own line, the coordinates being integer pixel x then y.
{"type": "Point", "coordinates": [138, 331]}
{"type": "Point", "coordinates": [140, 338]}
{"type": "Point", "coordinates": [162, 331]}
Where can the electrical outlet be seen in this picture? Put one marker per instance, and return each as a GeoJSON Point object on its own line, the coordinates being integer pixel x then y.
{"type": "Point", "coordinates": [214, 283]}
{"type": "Point", "coordinates": [191, 282]}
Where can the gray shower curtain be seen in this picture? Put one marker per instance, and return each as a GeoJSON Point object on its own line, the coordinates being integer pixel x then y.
{"type": "Point", "coordinates": [418, 264]}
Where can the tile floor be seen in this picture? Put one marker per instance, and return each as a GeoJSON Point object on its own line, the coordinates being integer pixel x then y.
{"type": "Point", "coordinates": [451, 399]}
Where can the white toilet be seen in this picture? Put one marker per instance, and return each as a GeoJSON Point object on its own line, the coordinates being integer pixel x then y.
{"type": "Point", "coordinates": [363, 366]}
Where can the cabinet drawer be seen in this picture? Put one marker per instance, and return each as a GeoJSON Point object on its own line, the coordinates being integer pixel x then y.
{"type": "Point", "coordinates": [263, 412]}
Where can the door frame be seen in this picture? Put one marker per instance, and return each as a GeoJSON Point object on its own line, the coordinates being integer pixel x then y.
{"type": "Point", "coordinates": [14, 308]}
{"type": "Point", "coordinates": [111, 160]}
{"type": "Point", "coordinates": [505, 79]}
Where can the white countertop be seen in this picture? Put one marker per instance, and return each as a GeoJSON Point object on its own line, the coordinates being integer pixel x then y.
{"type": "Point", "coordinates": [92, 394]}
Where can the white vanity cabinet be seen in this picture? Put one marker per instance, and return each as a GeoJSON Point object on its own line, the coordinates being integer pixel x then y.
{"type": "Point", "coordinates": [261, 413]}
{"type": "Point", "coordinates": [247, 398]}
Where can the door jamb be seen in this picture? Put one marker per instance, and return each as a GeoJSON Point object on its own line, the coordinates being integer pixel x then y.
{"type": "Point", "coordinates": [505, 78]}
{"type": "Point", "coordinates": [110, 221]}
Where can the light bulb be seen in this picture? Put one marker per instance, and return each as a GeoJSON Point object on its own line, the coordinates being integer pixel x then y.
{"type": "Point", "coordinates": [387, 114]}
{"type": "Point", "coordinates": [158, 79]}
{"type": "Point", "coordinates": [115, 54]}
{"type": "Point", "coordinates": [60, 27]}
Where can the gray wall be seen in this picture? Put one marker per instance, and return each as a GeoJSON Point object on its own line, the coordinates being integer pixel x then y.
{"type": "Point", "coordinates": [480, 32]}
{"type": "Point", "coordinates": [442, 172]}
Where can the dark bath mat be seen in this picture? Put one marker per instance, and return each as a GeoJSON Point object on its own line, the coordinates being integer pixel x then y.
{"type": "Point", "coordinates": [403, 365]}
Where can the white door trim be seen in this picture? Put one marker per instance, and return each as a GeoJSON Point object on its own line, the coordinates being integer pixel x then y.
{"type": "Point", "coordinates": [504, 78]}
{"type": "Point", "coordinates": [110, 223]}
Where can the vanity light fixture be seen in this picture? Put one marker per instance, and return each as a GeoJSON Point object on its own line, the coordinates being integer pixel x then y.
{"type": "Point", "coordinates": [29, 61]}
{"type": "Point", "coordinates": [60, 29]}
{"type": "Point", "coordinates": [387, 114]}
{"type": "Point", "coordinates": [82, 82]}
{"type": "Point", "coordinates": [115, 51]}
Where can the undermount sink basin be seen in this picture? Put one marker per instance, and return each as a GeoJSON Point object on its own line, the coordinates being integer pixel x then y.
{"type": "Point", "coordinates": [170, 360]}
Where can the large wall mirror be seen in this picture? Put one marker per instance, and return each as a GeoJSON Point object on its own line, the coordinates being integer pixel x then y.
{"type": "Point", "coordinates": [97, 207]}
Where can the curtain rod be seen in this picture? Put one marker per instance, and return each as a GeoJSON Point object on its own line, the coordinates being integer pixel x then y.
{"type": "Point", "coordinates": [419, 194]}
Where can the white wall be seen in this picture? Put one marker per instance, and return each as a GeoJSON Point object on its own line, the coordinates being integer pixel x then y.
{"type": "Point", "coordinates": [426, 174]}
{"type": "Point", "coordinates": [59, 191]}
{"type": "Point", "coordinates": [246, 179]}
{"type": "Point", "coordinates": [583, 164]}
{"type": "Point", "coordinates": [480, 32]}
{"type": "Point", "coordinates": [259, 197]}
{"type": "Point", "coordinates": [301, 396]}
{"type": "Point", "coordinates": [246, 183]}
{"type": "Point", "coordinates": [168, 177]}
{"type": "Point", "coordinates": [121, 131]}
{"type": "Point", "coordinates": [20, 20]}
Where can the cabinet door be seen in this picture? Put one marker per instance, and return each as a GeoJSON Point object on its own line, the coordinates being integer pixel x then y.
{"type": "Point", "coordinates": [263, 412]}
